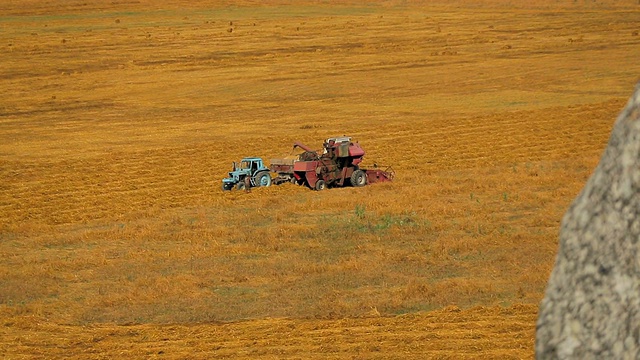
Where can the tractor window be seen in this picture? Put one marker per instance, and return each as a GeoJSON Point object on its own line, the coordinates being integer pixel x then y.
{"type": "Point", "coordinates": [245, 165]}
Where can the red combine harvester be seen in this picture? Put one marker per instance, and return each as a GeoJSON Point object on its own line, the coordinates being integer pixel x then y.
{"type": "Point", "coordinates": [337, 165]}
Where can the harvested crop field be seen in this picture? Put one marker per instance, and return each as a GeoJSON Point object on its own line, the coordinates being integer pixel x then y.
{"type": "Point", "coordinates": [118, 121]}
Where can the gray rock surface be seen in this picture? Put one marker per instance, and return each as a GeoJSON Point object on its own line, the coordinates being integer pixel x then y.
{"type": "Point", "coordinates": [591, 308]}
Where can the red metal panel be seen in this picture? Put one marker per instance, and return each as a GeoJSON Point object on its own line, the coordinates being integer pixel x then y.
{"type": "Point", "coordinates": [356, 151]}
{"type": "Point", "coordinates": [311, 178]}
{"type": "Point", "coordinates": [305, 166]}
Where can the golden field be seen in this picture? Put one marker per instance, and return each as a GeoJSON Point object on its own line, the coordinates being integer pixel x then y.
{"type": "Point", "coordinates": [118, 121]}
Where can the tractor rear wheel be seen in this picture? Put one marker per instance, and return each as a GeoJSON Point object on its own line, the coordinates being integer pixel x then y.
{"type": "Point", "coordinates": [263, 179]}
{"type": "Point", "coordinates": [358, 178]}
{"type": "Point", "coordinates": [320, 185]}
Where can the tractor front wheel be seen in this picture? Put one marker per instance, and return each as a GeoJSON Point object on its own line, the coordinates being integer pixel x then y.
{"type": "Point", "coordinates": [226, 187]}
{"type": "Point", "coordinates": [320, 185]}
{"type": "Point", "coordinates": [358, 178]}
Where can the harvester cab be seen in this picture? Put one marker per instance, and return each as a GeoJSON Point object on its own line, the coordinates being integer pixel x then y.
{"type": "Point", "coordinates": [250, 172]}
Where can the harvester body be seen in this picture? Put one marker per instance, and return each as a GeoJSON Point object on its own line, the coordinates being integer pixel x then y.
{"type": "Point", "coordinates": [337, 165]}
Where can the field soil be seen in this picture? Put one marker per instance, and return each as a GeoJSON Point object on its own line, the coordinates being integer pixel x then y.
{"type": "Point", "coordinates": [119, 119]}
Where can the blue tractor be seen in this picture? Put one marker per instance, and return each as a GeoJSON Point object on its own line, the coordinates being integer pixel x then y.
{"type": "Point", "coordinates": [250, 172]}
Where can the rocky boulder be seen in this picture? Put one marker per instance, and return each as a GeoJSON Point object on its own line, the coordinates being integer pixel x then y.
{"type": "Point", "coordinates": [591, 307]}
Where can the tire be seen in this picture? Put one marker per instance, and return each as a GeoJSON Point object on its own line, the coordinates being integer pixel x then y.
{"type": "Point", "coordinates": [358, 178]}
{"type": "Point", "coordinates": [263, 179]}
{"type": "Point", "coordinates": [226, 187]}
{"type": "Point", "coordinates": [320, 185]}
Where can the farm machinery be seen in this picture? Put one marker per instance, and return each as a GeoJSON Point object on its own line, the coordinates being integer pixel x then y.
{"type": "Point", "coordinates": [250, 172]}
{"type": "Point", "coordinates": [336, 165]}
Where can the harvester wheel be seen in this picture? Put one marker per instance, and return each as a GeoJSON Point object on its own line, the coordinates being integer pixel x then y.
{"type": "Point", "coordinates": [320, 185]}
{"type": "Point", "coordinates": [263, 179]}
{"type": "Point", "coordinates": [358, 178]}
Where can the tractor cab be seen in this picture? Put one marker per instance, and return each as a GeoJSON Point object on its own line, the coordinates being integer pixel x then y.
{"type": "Point", "coordinates": [249, 163]}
